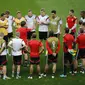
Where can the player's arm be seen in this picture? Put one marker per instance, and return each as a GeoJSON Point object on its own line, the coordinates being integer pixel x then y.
{"type": "Point", "coordinates": [66, 23]}
{"type": "Point", "coordinates": [3, 47]}
{"type": "Point", "coordinates": [10, 44]}
{"type": "Point", "coordinates": [58, 47]}
{"type": "Point", "coordinates": [46, 22]}
{"type": "Point", "coordinates": [35, 20]}
{"type": "Point", "coordinates": [41, 48]}
{"type": "Point", "coordinates": [23, 45]}
{"type": "Point", "coordinates": [38, 21]}
{"type": "Point", "coordinates": [5, 26]}
{"type": "Point", "coordinates": [74, 43]}
{"type": "Point", "coordinates": [48, 48]}
{"type": "Point", "coordinates": [64, 43]}
{"type": "Point", "coordinates": [75, 25]}
{"type": "Point", "coordinates": [60, 23]}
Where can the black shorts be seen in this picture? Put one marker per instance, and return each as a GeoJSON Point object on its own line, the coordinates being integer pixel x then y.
{"type": "Point", "coordinates": [3, 60]}
{"type": "Point", "coordinates": [10, 35]}
{"type": "Point", "coordinates": [68, 57]}
{"type": "Point", "coordinates": [35, 60]}
{"type": "Point", "coordinates": [6, 38]}
{"type": "Point", "coordinates": [43, 35]}
{"type": "Point", "coordinates": [17, 60]}
{"type": "Point", "coordinates": [52, 59]}
{"type": "Point", "coordinates": [56, 35]}
{"type": "Point", "coordinates": [29, 34]}
{"type": "Point", "coordinates": [81, 54]}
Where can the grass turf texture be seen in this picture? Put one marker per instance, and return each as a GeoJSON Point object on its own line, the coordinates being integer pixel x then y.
{"type": "Point", "coordinates": [62, 7]}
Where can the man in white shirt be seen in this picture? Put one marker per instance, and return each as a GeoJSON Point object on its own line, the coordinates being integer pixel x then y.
{"type": "Point", "coordinates": [16, 44]}
{"type": "Point", "coordinates": [10, 23]}
{"type": "Point", "coordinates": [31, 23]}
{"type": "Point", "coordinates": [43, 22]}
{"type": "Point", "coordinates": [82, 16]}
{"type": "Point", "coordinates": [3, 59]}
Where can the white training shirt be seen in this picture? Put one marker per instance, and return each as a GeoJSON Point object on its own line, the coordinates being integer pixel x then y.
{"type": "Point", "coordinates": [82, 19]}
{"type": "Point", "coordinates": [30, 21]}
{"type": "Point", "coordinates": [5, 50]}
{"type": "Point", "coordinates": [44, 19]}
{"type": "Point", "coordinates": [10, 22]}
{"type": "Point", "coordinates": [16, 44]}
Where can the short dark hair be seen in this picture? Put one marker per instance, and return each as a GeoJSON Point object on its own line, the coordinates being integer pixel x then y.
{"type": "Point", "coordinates": [83, 11]}
{"type": "Point", "coordinates": [2, 14]}
{"type": "Point", "coordinates": [7, 12]}
{"type": "Point", "coordinates": [83, 23]}
{"type": "Point", "coordinates": [80, 22]}
{"type": "Point", "coordinates": [23, 23]}
{"type": "Point", "coordinates": [18, 12]}
{"type": "Point", "coordinates": [53, 11]}
{"type": "Point", "coordinates": [51, 33]}
{"type": "Point", "coordinates": [42, 9]}
{"type": "Point", "coordinates": [72, 10]}
{"type": "Point", "coordinates": [81, 30]}
{"type": "Point", "coordinates": [29, 10]}
{"type": "Point", "coordinates": [66, 30]}
{"type": "Point", "coordinates": [34, 35]}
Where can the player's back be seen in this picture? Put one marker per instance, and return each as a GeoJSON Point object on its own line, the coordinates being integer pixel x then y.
{"type": "Point", "coordinates": [23, 33]}
{"type": "Point", "coordinates": [69, 39]}
{"type": "Point", "coordinates": [81, 40]}
{"type": "Point", "coordinates": [17, 43]}
{"type": "Point", "coordinates": [34, 47]}
{"type": "Point", "coordinates": [53, 42]}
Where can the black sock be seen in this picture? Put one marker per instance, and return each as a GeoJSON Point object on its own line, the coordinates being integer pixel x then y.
{"type": "Point", "coordinates": [53, 74]}
{"type": "Point", "coordinates": [44, 73]}
{"type": "Point", "coordinates": [65, 68]}
{"type": "Point", "coordinates": [72, 68]}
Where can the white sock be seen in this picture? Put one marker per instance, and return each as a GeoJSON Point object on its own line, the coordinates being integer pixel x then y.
{"type": "Point", "coordinates": [4, 76]}
{"type": "Point", "coordinates": [12, 72]}
{"type": "Point", "coordinates": [18, 73]}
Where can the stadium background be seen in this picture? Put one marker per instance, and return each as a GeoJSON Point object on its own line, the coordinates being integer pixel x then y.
{"type": "Point", "coordinates": [62, 7]}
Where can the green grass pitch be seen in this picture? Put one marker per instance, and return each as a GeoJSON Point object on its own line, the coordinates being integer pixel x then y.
{"type": "Point", "coordinates": [62, 7]}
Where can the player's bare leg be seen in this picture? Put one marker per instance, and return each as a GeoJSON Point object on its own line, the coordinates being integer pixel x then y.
{"type": "Point", "coordinates": [26, 59]}
{"type": "Point", "coordinates": [31, 69]}
{"type": "Point", "coordinates": [75, 65]}
{"type": "Point", "coordinates": [13, 70]}
{"type": "Point", "coordinates": [18, 72]}
{"type": "Point", "coordinates": [31, 72]}
{"type": "Point", "coordinates": [53, 70]}
{"type": "Point", "coordinates": [83, 66]}
{"type": "Point", "coordinates": [46, 69]}
{"type": "Point", "coordinates": [39, 72]}
{"type": "Point", "coordinates": [4, 73]}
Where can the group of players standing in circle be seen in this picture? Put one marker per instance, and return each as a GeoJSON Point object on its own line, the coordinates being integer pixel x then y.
{"type": "Point", "coordinates": [25, 40]}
